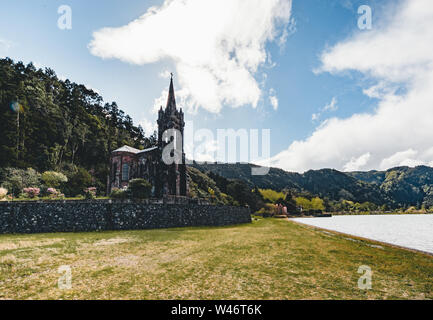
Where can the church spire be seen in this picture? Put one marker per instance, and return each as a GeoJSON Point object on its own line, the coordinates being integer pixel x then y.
{"type": "Point", "coordinates": [171, 101]}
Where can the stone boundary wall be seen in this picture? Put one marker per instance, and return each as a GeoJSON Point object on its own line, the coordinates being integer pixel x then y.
{"type": "Point", "coordinates": [101, 215]}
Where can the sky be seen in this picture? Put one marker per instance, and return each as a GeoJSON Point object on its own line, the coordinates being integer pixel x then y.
{"type": "Point", "coordinates": [332, 94]}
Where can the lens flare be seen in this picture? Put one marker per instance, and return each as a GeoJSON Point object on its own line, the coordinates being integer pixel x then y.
{"type": "Point", "coordinates": [16, 107]}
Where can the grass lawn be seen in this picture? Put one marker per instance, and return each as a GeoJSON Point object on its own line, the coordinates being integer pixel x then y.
{"type": "Point", "coordinates": [268, 259]}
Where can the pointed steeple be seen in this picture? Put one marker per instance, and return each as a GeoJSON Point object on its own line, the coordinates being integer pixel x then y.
{"type": "Point", "coordinates": [171, 101]}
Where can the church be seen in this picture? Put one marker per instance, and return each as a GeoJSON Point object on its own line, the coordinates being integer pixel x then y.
{"type": "Point", "coordinates": [127, 163]}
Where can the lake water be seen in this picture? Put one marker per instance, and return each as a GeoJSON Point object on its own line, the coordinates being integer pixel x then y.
{"type": "Point", "coordinates": [412, 230]}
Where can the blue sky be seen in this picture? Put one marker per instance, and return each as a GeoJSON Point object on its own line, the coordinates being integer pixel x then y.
{"type": "Point", "coordinates": [29, 32]}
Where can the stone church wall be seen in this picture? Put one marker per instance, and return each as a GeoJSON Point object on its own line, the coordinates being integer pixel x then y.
{"type": "Point", "coordinates": [100, 215]}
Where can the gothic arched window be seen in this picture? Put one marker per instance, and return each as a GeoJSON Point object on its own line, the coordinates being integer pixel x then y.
{"type": "Point", "coordinates": [125, 172]}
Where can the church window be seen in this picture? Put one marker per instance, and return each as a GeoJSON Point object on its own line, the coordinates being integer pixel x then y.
{"type": "Point", "coordinates": [125, 172]}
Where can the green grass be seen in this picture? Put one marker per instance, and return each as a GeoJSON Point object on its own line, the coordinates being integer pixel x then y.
{"type": "Point", "coordinates": [268, 259]}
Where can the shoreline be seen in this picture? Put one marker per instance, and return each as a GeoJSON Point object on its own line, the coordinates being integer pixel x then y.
{"type": "Point", "coordinates": [355, 237]}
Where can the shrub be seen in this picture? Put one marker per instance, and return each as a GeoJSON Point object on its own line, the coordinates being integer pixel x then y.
{"type": "Point", "coordinates": [226, 199]}
{"type": "Point", "coordinates": [3, 193]}
{"type": "Point", "coordinates": [119, 194]}
{"type": "Point", "coordinates": [15, 180]}
{"type": "Point", "coordinates": [140, 188]}
{"type": "Point", "coordinates": [267, 211]}
{"type": "Point", "coordinates": [31, 192]}
{"type": "Point", "coordinates": [90, 193]}
{"type": "Point", "coordinates": [78, 180]}
{"type": "Point", "coordinates": [53, 179]}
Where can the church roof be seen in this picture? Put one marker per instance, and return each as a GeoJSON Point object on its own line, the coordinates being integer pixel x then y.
{"type": "Point", "coordinates": [127, 149]}
{"type": "Point", "coordinates": [133, 150]}
{"type": "Point", "coordinates": [147, 150]}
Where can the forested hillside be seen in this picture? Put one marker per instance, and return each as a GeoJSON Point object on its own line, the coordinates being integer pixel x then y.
{"type": "Point", "coordinates": [50, 124]}
{"type": "Point", "coordinates": [397, 187]}
{"type": "Point", "coordinates": [404, 185]}
{"type": "Point", "coordinates": [328, 183]}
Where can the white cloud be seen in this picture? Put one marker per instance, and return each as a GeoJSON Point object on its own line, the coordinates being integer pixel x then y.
{"type": "Point", "coordinates": [217, 46]}
{"type": "Point", "coordinates": [347, 4]}
{"type": "Point", "coordinates": [356, 164]}
{"type": "Point", "coordinates": [380, 90]}
{"type": "Point", "coordinates": [403, 158]}
{"type": "Point", "coordinates": [182, 96]}
{"type": "Point", "coordinates": [5, 44]}
{"type": "Point", "coordinates": [315, 116]}
{"type": "Point", "coordinates": [274, 102]}
{"type": "Point", "coordinates": [330, 107]}
{"type": "Point", "coordinates": [273, 99]}
{"type": "Point", "coordinates": [287, 32]}
{"type": "Point", "coordinates": [397, 54]}
{"type": "Point", "coordinates": [148, 126]}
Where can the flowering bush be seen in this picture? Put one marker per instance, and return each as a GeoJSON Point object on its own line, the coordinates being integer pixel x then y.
{"type": "Point", "coordinates": [3, 193]}
{"type": "Point", "coordinates": [31, 192]}
{"type": "Point", "coordinates": [90, 193]}
{"type": "Point", "coordinates": [52, 192]}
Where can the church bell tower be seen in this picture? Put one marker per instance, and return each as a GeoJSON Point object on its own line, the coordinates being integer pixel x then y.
{"type": "Point", "coordinates": [172, 176]}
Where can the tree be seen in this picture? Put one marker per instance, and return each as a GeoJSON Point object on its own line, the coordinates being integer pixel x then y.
{"type": "Point", "coordinates": [304, 203]}
{"type": "Point", "coordinates": [317, 204]}
{"type": "Point", "coordinates": [78, 181]}
{"type": "Point", "coordinates": [272, 196]}
{"type": "Point", "coordinates": [241, 193]}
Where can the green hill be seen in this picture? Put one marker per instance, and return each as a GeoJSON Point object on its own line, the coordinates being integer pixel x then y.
{"type": "Point", "coordinates": [397, 187]}
{"type": "Point", "coordinates": [406, 186]}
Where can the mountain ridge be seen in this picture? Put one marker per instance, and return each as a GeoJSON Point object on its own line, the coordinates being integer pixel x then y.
{"type": "Point", "coordinates": [397, 187]}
